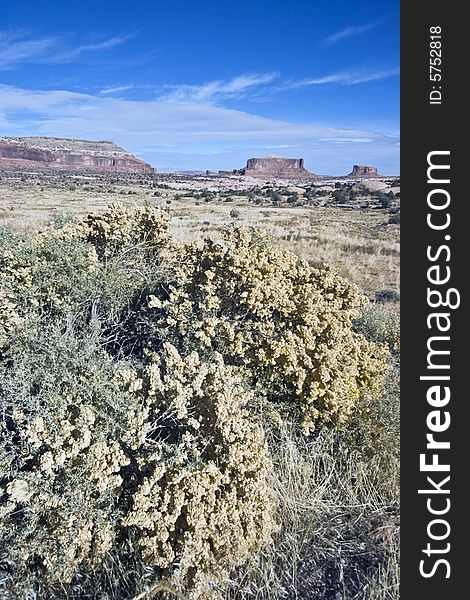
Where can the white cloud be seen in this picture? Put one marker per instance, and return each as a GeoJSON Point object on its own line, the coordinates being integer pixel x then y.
{"type": "Point", "coordinates": [280, 146]}
{"type": "Point", "coordinates": [262, 87]}
{"type": "Point", "coordinates": [207, 93]}
{"type": "Point", "coordinates": [256, 86]}
{"type": "Point", "coordinates": [191, 136]}
{"type": "Point", "coordinates": [350, 32]}
{"type": "Point", "coordinates": [17, 48]}
{"type": "Point", "coordinates": [116, 89]}
{"type": "Point", "coordinates": [73, 53]}
{"type": "Point", "coordinates": [14, 49]}
{"type": "Point", "coordinates": [349, 77]}
{"type": "Point", "coordinates": [348, 140]}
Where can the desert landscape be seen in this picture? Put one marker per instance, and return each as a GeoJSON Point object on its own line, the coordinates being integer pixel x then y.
{"type": "Point", "coordinates": [200, 300]}
{"type": "Point", "coordinates": [201, 374]}
{"type": "Point", "coordinates": [351, 222]}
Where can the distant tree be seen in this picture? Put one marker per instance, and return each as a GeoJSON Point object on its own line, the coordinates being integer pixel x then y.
{"type": "Point", "coordinates": [293, 198]}
{"type": "Point", "coordinates": [384, 199]}
{"type": "Point", "coordinates": [340, 196]}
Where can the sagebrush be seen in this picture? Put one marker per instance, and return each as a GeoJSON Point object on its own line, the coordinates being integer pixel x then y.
{"type": "Point", "coordinates": [137, 374]}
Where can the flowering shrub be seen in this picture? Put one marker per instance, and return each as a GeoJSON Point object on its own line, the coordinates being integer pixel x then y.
{"type": "Point", "coordinates": [61, 458]}
{"type": "Point", "coordinates": [131, 369]}
{"type": "Point", "coordinates": [166, 455]}
{"type": "Point", "coordinates": [204, 501]}
{"type": "Point", "coordinates": [110, 232]}
{"type": "Point", "coordinates": [284, 324]}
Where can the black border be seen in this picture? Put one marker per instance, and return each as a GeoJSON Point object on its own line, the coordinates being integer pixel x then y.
{"type": "Point", "coordinates": [425, 128]}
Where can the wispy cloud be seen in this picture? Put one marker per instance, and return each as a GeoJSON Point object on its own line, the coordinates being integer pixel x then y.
{"type": "Point", "coordinates": [349, 77]}
{"type": "Point", "coordinates": [280, 146]}
{"type": "Point", "coordinates": [213, 91]}
{"type": "Point", "coordinates": [107, 44]}
{"type": "Point", "coordinates": [17, 48]}
{"type": "Point", "coordinates": [254, 87]}
{"type": "Point", "coordinates": [347, 140]}
{"type": "Point", "coordinates": [349, 32]}
{"type": "Point", "coordinates": [116, 89]}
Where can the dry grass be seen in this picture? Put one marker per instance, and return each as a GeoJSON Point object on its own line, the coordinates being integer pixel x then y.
{"type": "Point", "coordinates": [339, 526]}
{"type": "Point", "coordinates": [337, 493]}
{"type": "Point", "coordinates": [359, 242]}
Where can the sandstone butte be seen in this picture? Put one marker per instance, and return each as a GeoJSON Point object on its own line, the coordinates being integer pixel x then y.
{"type": "Point", "coordinates": [67, 154]}
{"type": "Point", "coordinates": [362, 172]}
{"type": "Point", "coordinates": [278, 168]}
{"type": "Point", "coordinates": [272, 167]}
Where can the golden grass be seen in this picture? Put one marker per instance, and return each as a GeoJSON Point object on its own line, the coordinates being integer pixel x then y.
{"type": "Point", "coordinates": [339, 529]}
{"type": "Point", "coordinates": [359, 242]}
{"type": "Point", "coordinates": [330, 502]}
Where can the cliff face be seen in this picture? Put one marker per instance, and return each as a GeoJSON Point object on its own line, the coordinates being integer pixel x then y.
{"type": "Point", "coordinates": [273, 167]}
{"type": "Point", "coordinates": [362, 171]}
{"type": "Point", "coordinates": [76, 155]}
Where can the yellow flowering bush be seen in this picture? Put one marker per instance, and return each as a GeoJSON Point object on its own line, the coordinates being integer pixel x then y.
{"type": "Point", "coordinates": [165, 455]}
{"type": "Point", "coordinates": [286, 325]}
{"type": "Point", "coordinates": [204, 502]}
{"type": "Point", "coordinates": [131, 372]}
{"type": "Point", "coordinates": [119, 228]}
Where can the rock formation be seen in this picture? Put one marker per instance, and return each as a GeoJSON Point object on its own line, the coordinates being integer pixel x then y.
{"type": "Point", "coordinates": [71, 155]}
{"type": "Point", "coordinates": [276, 168]}
{"type": "Point", "coordinates": [362, 171]}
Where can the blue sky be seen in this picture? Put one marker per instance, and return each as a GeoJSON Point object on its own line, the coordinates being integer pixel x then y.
{"type": "Point", "coordinates": [207, 84]}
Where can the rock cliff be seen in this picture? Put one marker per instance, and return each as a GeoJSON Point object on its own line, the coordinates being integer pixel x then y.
{"type": "Point", "coordinates": [278, 168]}
{"type": "Point", "coordinates": [362, 171]}
{"type": "Point", "coordinates": [72, 155]}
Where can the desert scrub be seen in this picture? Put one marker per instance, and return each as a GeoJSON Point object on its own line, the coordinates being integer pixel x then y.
{"type": "Point", "coordinates": [43, 277]}
{"type": "Point", "coordinates": [380, 323]}
{"type": "Point", "coordinates": [75, 269]}
{"type": "Point", "coordinates": [96, 453]}
{"type": "Point", "coordinates": [61, 459]}
{"type": "Point", "coordinates": [286, 325]}
{"type": "Point", "coordinates": [205, 502]}
{"type": "Point", "coordinates": [374, 430]}
{"type": "Point", "coordinates": [134, 373]}
{"type": "Point", "coordinates": [143, 228]}
{"type": "Point", "coordinates": [338, 517]}
{"type": "Point", "coordinates": [337, 510]}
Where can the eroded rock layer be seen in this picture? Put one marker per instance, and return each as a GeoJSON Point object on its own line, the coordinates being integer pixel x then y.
{"type": "Point", "coordinates": [279, 168]}
{"type": "Point", "coordinates": [61, 153]}
{"type": "Point", "coordinates": [361, 171]}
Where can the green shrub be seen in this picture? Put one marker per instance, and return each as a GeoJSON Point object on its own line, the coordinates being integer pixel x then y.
{"type": "Point", "coordinates": [96, 453]}
{"type": "Point", "coordinates": [134, 372]}
{"type": "Point", "coordinates": [42, 276]}
{"type": "Point", "coordinates": [235, 213]}
{"type": "Point", "coordinates": [380, 323]}
{"type": "Point", "coordinates": [286, 325]}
